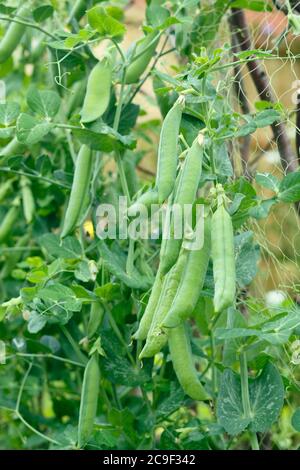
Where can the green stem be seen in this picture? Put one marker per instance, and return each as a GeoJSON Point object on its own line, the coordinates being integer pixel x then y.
{"type": "Point", "coordinates": [214, 372]}
{"type": "Point", "coordinates": [130, 257]}
{"type": "Point", "coordinates": [30, 175]}
{"type": "Point", "coordinates": [246, 398]}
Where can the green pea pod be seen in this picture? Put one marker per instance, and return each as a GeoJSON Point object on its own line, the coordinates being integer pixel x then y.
{"type": "Point", "coordinates": [145, 323]}
{"type": "Point", "coordinates": [130, 174]}
{"type": "Point", "coordinates": [147, 199]}
{"type": "Point", "coordinates": [167, 151]}
{"type": "Point", "coordinates": [222, 245]}
{"type": "Point", "coordinates": [185, 195]}
{"type": "Point", "coordinates": [97, 94]}
{"type": "Point", "coordinates": [182, 359]}
{"type": "Point", "coordinates": [8, 222]}
{"type": "Point", "coordinates": [14, 257]}
{"type": "Point", "coordinates": [28, 200]}
{"type": "Point", "coordinates": [191, 282]}
{"type": "Point", "coordinates": [76, 97]}
{"type": "Point", "coordinates": [89, 400]}
{"type": "Point", "coordinates": [79, 191]}
{"type": "Point", "coordinates": [139, 65]}
{"type": "Point", "coordinates": [157, 337]}
{"type": "Point", "coordinates": [13, 36]}
{"type": "Point", "coordinates": [5, 189]}
{"type": "Point", "coordinates": [14, 147]}
{"type": "Point", "coordinates": [95, 319]}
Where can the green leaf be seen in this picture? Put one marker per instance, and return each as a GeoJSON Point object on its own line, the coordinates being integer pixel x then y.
{"type": "Point", "coordinates": [266, 394]}
{"type": "Point", "coordinates": [103, 138]}
{"type": "Point", "coordinates": [266, 398]}
{"type": "Point", "coordinates": [171, 403]}
{"type": "Point", "coordinates": [256, 5]}
{"type": "Point", "coordinates": [230, 411]}
{"type": "Point", "coordinates": [267, 180]}
{"type": "Point", "coordinates": [262, 208]}
{"type": "Point", "coordinates": [296, 420]}
{"type": "Point", "coordinates": [45, 103]}
{"type": "Point", "coordinates": [61, 295]}
{"type": "Point", "coordinates": [108, 292]}
{"type": "Point", "coordinates": [289, 188]}
{"type": "Point", "coordinates": [68, 248]}
{"type": "Point", "coordinates": [42, 13]}
{"type": "Point", "coordinates": [266, 118]}
{"type": "Point", "coordinates": [36, 322]}
{"type": "Point", "coordinates": [30, 130]}
{"type": "Point", "coordinates": [247, 255]}
{"type": "Point", "coordinates": [9, 113]}
{"type": "Point", "coordinates": [114, 266]}
{"type": "Point", "coordinates": [104, 24]}
{"type": "Point", "coordinates": [82, 271]}
{"type": "Point", "coordinates": [6, 9]}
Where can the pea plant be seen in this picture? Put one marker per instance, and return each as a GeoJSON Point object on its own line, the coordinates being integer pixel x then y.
{"type": "Point", "coordinates": [113, 341]}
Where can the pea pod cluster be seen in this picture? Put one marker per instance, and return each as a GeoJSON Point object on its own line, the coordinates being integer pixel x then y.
{"type": "Point", "coordinates": [182, 270]}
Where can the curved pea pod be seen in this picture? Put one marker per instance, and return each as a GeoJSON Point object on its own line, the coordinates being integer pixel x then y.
{"type": "Point", "coordinates": [167, 151]}
{"type": "Point", "coordinates": [97, 94]}
{"type": "Point", "coordinates": [95, 319]}
{"type": "Point", "coordinates": [139, 65]}
{"type": "Point", "coordinates": [185, 195]}
{"type": "Point", "coordinates": [182, 359]}
{"type": "Point", "coordinates": [8, 222]}
{"type": "Point", "coordinates": [222, 246]}
{"type": "Point", "coordinates": [89, 400]}
{"type": "Point", "coordinates": [13, 36]}
{"type": "Point", "coordinates": [14, 147]}
{"type": "Point", "coordinates": [147, 317]}
{"type": "Point", "coordinates": [79, 191]}
{"type": "Point", "coordinates": [27, 199]}
{"type": "Point", "coordinates": [157, 337]}
{"type": "Point", "coordinates": [191, 283]}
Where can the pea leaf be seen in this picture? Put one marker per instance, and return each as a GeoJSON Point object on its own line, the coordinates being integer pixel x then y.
{"type": "Point", "coordinates": [9, 113]}
{"type": "Point", "coordinates": [247, 255]}
{"type": "Point", "coordinates": [69, 248]}
{"type": "Point", "coordinates": [289, 188]}
{"type": "Point", "coordinates": [60, 295]}
{"type": "Point", "coordinates": [30, 130]}
{"type": "Point", "coordinates": [42, 13]}
{"type": "Point", "coordinates": [104, 24]}
{"type": "Point", "coordinates": [266, 394]}
{"type": "Point", "coordinates": [103, 138]}
{"type": "Point", "coordinates": [267, 180]}
{"type": "Point", "coordinates": [296, 420]}
{"type": "Point", "coordinates": [45, 103]}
